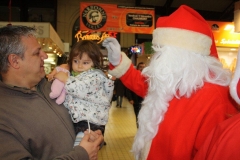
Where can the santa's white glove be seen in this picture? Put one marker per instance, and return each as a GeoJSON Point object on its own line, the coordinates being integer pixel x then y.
{"type": "Point", "coordinates": [114, 50]}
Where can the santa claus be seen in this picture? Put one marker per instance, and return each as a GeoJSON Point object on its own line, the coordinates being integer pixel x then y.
{"type": "Point", "coordinates": [224, 141]}
{"type": "Point", "coordinates": [185, 87]}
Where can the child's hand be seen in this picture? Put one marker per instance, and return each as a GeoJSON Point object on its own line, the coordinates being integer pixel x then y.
{"type": "Point", "coordinates": [61, 76]}
{"type": "Point", "coordinates": [50, 77]}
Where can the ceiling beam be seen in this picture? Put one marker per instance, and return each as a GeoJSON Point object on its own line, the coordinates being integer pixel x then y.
{"type": "Point", "coordinates": [167, 5]}
{"type": "Point", "coordinates": [138, 3]}
{"type": "Point", "coordinates": [229, 10]}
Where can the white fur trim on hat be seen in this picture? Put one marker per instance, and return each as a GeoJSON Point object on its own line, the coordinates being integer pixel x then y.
{"type": "Point", "coordinates": [187, 39]}
{"type": "Point", "coordinates": [122, 68]}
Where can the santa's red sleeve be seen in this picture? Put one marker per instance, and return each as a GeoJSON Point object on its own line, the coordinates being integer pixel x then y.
{"type": "Point", "coordinates": [130, 76]}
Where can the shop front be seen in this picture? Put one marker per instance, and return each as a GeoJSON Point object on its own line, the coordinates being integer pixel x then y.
{"type": "Point", "coordinates": [227, 42]}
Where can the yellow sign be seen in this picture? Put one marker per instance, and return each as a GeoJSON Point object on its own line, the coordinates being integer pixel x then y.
{"type": "Point", "coordinates": [97, 36]}
{"type": "Point", "coordinates": [224, 34]}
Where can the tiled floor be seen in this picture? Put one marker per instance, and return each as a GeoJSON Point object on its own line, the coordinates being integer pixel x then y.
{"type": "Point", "coordinates": [119, 133]}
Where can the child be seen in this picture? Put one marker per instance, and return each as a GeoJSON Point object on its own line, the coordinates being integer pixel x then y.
{"type": "Point", "coordinates": [88, 90]}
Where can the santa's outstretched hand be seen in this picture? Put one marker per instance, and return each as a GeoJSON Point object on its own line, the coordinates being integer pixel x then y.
{"type": "Point", "coordinates": [235, 83]}
{"type": "Point", "coordinates": [114, 50]}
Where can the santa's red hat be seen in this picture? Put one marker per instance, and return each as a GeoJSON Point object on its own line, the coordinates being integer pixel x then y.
{"type": "Point", "coordinates": [187, 29]}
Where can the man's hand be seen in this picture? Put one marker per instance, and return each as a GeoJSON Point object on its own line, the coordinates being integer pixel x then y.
{"type": "Point", "coordinates": [91, 143]}
{"type": "Point", "coordinates": [93, 134]}
{"type": "Point", "coordinates": [114, 50]}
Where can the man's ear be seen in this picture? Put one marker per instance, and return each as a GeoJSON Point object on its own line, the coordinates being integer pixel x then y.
{"type": "Point", "coordinates": [13, 60]}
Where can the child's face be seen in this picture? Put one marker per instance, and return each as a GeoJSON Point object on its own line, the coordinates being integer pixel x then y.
{"type": "Point", "coordinates": [81, 65]}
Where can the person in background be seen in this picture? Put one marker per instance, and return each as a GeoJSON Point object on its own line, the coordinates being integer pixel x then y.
{"type": "Point", "coordinates": [33, 126]}
{"type": "Point", "coordinates": [224, 141]}
{"type": "Point", "coordinates": [88, 90]}
{"type": "Point", "coordinates": [133, 98]}
{"type": "Point", "coordinates": [119, 91]}
{"type": "Point", "coordinates": [185, 87]}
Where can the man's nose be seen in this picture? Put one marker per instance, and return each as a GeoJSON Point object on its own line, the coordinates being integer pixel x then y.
{"type": "Point", "coordinates": [43, 55]}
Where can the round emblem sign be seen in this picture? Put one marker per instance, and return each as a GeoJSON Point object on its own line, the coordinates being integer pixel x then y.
{"type": "Point", "coordinates": [94, 17]}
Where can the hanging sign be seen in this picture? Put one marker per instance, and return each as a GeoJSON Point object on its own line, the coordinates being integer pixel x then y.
{"type": "Point", "coordinates": [95, 36]}
{"type": "Point", "coordinates": [114, 18]}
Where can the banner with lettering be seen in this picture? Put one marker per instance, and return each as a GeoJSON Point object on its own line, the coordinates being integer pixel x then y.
{"type": "Point", "coordinates": [95, 36]}
{"type": "Point", "coordinates": [114, 18]}
{"type": "Point", "coordinates": [224, 34]}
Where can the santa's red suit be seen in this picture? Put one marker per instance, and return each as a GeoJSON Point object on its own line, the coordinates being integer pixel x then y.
{"type": "Point", "coordinates": [224, 141]}
{"type": "Point", "coordinates": [187, 121]}
{"type": "Point", "coordinates": [185, 88]}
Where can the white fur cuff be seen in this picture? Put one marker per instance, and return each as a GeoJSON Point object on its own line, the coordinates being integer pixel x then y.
{"type": "Point", "coordinates": [122, 68]}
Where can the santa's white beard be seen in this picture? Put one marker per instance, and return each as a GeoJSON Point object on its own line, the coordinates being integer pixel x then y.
{"type": "Point", "coordinates": [173, 72]}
